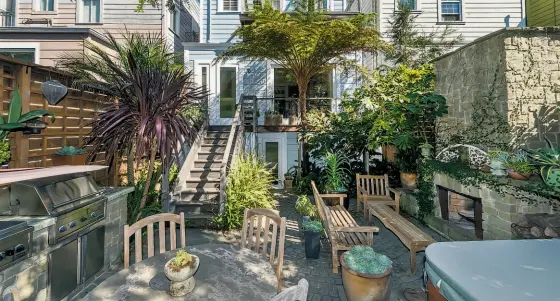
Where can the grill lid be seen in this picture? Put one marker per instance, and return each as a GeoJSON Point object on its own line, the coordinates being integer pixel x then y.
{"type": "Point", "coordinates": [54, 195]}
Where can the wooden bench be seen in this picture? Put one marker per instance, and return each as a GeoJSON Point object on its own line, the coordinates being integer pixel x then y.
{"type": "Point", "coordinates": [342, 230]}
{"type": "Point", "coordinates": [412, 237]}
{"type": "Point", "coordinates": [375, 189]}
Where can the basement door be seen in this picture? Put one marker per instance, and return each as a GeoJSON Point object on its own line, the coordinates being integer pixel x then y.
{"type": "Point", "coordinates": [273, 150]}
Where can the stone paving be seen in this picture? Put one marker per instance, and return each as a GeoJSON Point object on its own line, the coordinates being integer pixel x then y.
{"type": "Point", "coordinates": [323, 284]}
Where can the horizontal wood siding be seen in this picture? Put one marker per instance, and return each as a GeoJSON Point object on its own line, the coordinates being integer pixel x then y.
{"type": "Point", "coordinates": [480, 17]}
{"type": "Point", "coordinates": [543, 12]}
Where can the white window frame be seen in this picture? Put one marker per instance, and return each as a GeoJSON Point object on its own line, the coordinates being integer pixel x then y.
{"type": "Point", "coordinates": [461, 12]}
{"type": "Point", "coordinates": [36, 8]}
{"type": "Point", "coordinates": [417, 8]}
{"type": "Point", "coordinates": [80, 8]}
{"type": "Point", "coordinates": [221, 7]}
{"type": "Point", "coordinates": [174, 24]}
{"type": "Point", "coordinates": [24, 45]}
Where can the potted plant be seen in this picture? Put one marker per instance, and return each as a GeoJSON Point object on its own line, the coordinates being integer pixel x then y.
{"type": "Point", "coordinates": [366, 275]}
{"type": "Point", "coordinates": [272, 117]}
{"type": "Point", "coordinates": [548, 160]}
{"type": "Point", "coordinates": [498, 160]}
{"type": "Point", "coordinates": [407, 165]}
{"type": "Point", "coordinates": [305, 208]}
{"type": "Point", "coordinates": [336, 174]}
{"type": "Point", "coordinates": [312, 230]}
{"type": "Point", "coordinates": [426, 150]}
{"type": "Point", "coordinates": [70, 155]}
{"type": "Point", "coordinates": [289, 179]}
{"type": "Point", "coordinates": [519, 167]}
{"type": "Point", "coordinates": [180, 270]}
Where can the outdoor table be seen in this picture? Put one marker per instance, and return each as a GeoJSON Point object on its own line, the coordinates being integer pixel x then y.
{"type": "Point", "coordinates": [224, 273]}
{"type": "Point", "coordinates": [494, 270]}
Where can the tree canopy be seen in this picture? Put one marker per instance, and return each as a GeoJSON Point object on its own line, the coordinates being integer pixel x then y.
{"type": "Point", "coordinates": [306, 42]}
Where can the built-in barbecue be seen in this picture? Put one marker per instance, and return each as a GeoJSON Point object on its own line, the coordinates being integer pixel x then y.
{"type": "Point", "coordinates": [15, 242]}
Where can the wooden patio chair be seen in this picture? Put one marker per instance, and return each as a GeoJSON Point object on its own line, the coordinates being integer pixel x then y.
{"type": "Point", "coordinates": [161, 219]}
{"type": "Point", "coordinates": [262, 227]}
{"type": "Point", "coordinates": [375, 189]}
{"type": "Point", "coordinates": [11, 293]}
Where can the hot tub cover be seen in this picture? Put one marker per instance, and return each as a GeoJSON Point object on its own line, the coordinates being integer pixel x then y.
{"type": "Point", "coordinates": [496, 270]}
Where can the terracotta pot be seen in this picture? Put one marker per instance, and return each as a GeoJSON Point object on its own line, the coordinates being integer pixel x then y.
{"type": "Point", "coordinates": [518, 176]}
{"type": "Point", "coordinates": [365, 287]}
{"type": "Point", "coordinates": [69, 160]}
{"type": "Point", "coordinates": [389, 152]}
{"type": "Point", "coordinates": [288, 185]}
{"type": "Point", "coordinates": [408, 180]}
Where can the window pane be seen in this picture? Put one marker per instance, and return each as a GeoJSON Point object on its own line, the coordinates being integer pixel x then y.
{"type": "Point", "coordinates": [410, 3]}
{"type": "Point", "coordinates": [271, 157]}
{"type": "Point", "coordinates": [95, 11]}
{"type": "Point", "coordinates": [47, 5]}
{"type": "Point", "coordinates": [204, 74]}
{"type": "Point", "coordinates": [230, 5]}
{"type": "Point", "coordinates": [24, 54]}
{"type": "Point", "coordinates": [86, 11]}
{"type": "Point", "coordinates": [227, 92]}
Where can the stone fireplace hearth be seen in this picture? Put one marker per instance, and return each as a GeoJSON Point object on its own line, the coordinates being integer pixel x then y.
{"type": "Point", "coordinates": [463, 211]}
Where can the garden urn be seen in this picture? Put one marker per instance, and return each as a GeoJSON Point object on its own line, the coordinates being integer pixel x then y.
{"type": "Point", "coordinates": [361, 285]}
{"type": "Point", "coordinates": [182, 280]}
{"type": "Point", "coordinates": [551, 176]}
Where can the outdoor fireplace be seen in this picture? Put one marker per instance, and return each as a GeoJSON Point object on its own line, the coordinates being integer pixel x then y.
{"type": "Point", "coordinates": [462, 210]}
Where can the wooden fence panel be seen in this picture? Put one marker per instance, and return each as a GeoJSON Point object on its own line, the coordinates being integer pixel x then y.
{"type": "Point", "coordinates": [73, 116]}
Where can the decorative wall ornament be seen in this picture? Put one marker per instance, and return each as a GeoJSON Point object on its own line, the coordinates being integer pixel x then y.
{"type": "Point", "coordinates": [53, 91]}
{"type": "Point", "coordinates": [475, 156]}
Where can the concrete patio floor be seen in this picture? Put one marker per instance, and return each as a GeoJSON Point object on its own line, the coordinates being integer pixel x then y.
{"type": "Point", "coordinates": [324, 285]}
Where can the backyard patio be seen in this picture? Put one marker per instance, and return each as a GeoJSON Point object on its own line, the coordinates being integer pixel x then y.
{"type": "Point", "coordinates": [323, 284]}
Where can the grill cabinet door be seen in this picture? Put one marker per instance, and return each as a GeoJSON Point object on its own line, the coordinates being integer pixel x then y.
{"type": "Point", "coordinates": [93, 253]}
{"type": "Point", "coordinates": [63, 270]}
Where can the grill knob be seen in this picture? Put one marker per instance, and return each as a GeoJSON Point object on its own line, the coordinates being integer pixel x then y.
{"type": "Point", "coordinates": [72, 224]}
{"type": "Point", "coordinates": [2, 255]}
{"type": "Point", "coordinates": [83, 219]}
{"type": "Point", "coordinates": [93, 214]}
{"type": "Point", "coordinates": [62, 229]}
{"type": "Point", "coordinates": [19, 248]}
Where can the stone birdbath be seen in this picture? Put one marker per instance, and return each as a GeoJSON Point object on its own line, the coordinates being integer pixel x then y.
{"type": "Point", "coordinates": [180, 270]}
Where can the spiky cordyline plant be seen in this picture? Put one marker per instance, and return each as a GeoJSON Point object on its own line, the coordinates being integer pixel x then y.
{"type": "Point", "coordinates": [336, 173]}
{"type": "Point", "coordinates": [151, 89]}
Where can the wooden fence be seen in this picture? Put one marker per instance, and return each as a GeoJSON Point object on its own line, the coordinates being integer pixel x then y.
{"type": "Point", "coordinates": [73, 115]}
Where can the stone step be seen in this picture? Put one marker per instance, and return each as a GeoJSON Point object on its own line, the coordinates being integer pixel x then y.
{"type": "Point", "coordinates": [203, 183]}
{"type": "Point", "coordinates": [205, 173]}
{"type": "Point", "coordinates": [207, 163]}
{"type": "Point", "coordinates": [219, 128]}
{"type": "Point", "coordinates": [213, 148]}
{"type": "Point", "coordinates": [209, 156]}
{"type": "Point", "coordinates": [220, 134]}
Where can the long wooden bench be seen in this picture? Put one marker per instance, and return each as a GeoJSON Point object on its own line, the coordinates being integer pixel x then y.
{"type": "Point", "coordinates": [412, 237]}
{"type": "Point", "coordinates": [342, 230]}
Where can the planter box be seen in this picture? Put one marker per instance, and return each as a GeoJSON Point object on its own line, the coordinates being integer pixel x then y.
{"type": "Point", "coordinates": [69, 160]}
{"type": "Point", "coordinates": [312, 244]}
{"type": "Point", "coordinates": [273, 120]}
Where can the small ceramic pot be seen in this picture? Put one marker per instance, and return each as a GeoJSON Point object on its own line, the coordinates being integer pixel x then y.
{"type": "Point", "coordinates": [518, 176]}
{"type": "Point", "coordinates": [182, 281]}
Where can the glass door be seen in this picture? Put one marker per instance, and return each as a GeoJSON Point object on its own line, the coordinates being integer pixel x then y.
{"type": "Point", "coordinates": [272, 157]}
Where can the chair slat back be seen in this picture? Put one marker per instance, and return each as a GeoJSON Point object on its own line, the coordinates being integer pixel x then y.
{"type": "Point", "coordinates": [160, 219]}
{"type": "Point", "coordinates": [373, 185]}
{"type": "Point", "coordinates": [262, 227]}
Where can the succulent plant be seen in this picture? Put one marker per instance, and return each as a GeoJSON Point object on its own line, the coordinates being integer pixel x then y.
{"type": "Point", "coordinates": [519, 162]}
{"type": "Point", "coordinates": [312, 226]}
{"type": "Point", "coordinates": [70, 151]}
{"type": "Point", "coordinates": [182, 259]}
{"type": "Point", "coordinates": [363, 259]}
{"type": "Point", "coordinates": [546, 158]}
{"type": "Point", "coordinates": [498, 155]}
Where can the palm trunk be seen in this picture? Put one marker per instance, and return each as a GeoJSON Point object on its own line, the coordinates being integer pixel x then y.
{"type": "Point", "coordinates": [165, 186]}
{"type": "Point", "coordinates": [147, 185]}
{"type": "Point", "coordinates": [302, 106]}
{"type": "Point", "coordinates": [130, 165]}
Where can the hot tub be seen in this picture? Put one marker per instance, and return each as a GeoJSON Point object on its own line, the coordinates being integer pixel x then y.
{"type": "Point", "coordinates": [509, 270]}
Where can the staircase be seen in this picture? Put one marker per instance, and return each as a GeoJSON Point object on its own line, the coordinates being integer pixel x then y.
{"type": "Point", "coordinates": [200, 195]}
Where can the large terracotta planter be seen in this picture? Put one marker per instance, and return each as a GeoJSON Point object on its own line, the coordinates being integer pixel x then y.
{"type": "Point", "coordinates": [518, 176]}
{"type": "Point", "coordinates": [182, 281]}
{"type": "Point", "coordinates": [389, 152]}
{"type": "Point", "coordinates": [408, 180]}
{"type": "Point", "coordinates": [365, 287]}
{"type": "Point", "coordinates": [69, 160]}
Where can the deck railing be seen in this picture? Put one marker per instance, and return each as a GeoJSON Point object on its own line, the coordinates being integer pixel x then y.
{"type": "Point", "coordinates": [7, 19]}
{"type": "Point", "coordinates": [289, 106]}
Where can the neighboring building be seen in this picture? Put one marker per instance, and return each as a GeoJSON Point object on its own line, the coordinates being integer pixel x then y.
{"type": "Point", "coordinates": [42, 30]}
{"type": "Point", "coordinates": [543, 13]}
{"type": "Point", "coordinates": [472, 19]}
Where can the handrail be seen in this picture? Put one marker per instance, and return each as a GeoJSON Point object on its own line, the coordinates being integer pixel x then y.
{"type": "Point", "coordinates": [225, 160]}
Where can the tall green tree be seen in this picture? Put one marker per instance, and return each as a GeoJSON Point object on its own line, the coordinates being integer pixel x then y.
{"type": "Point", "coordinates": [305, 42]}
{"type": "Point", "coordinates": [151, 90]}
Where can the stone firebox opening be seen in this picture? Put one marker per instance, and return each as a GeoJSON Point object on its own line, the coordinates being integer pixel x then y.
{"type": "Point", "coordinates": [461, 210]}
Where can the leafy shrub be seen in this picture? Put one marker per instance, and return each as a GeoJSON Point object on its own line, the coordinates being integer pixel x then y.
{"type": "Point", "coordinates": [4, 151]}
{"type": "Point", "coordinates": [70, 151]}
{"type": "Point", "coordinates": [153, 204]}
{"type": "Point", "coordinates": [305, 207]}
{"type": "Point", "coordinates": [363, 259]}
{"type": "Point", "coordinates": [336, 174]}
{"type": "Point", "coordinates": [249, 185]}
{"type": "Point", "coordinates": [312, 226]}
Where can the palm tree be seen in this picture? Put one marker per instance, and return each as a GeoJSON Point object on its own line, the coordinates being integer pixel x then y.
{"type": "Point", "coordinates": [151, 90]}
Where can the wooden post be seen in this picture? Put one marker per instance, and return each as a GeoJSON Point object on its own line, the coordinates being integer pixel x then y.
{"type": "Point", "coordinates": [20, 151]}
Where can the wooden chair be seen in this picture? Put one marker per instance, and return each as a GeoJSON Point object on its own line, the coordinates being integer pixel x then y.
{"type": "Point", "coordinates": [375, 189]}
{"type": "Point", "coordinates": [257, 224]}
{"type": "Point", "coordinates": [136, 230]}
{"type": "Point", "coordinates": [13, 292]}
